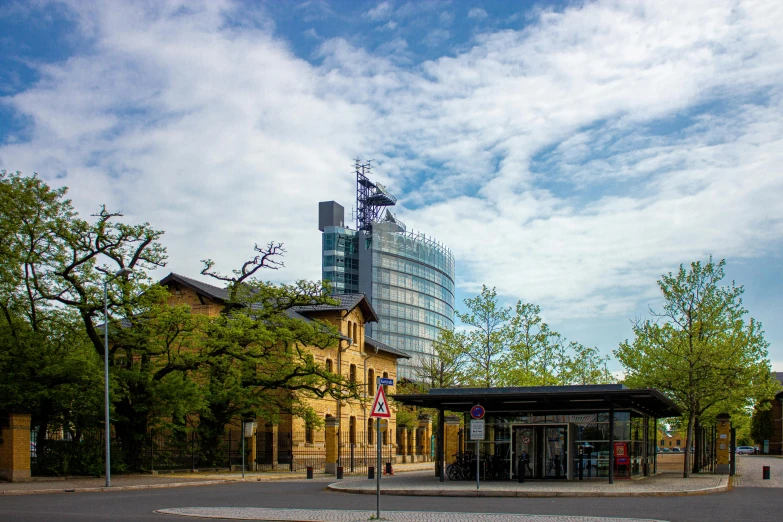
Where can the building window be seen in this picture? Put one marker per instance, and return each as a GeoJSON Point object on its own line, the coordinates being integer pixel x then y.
{"type": "Point", "coordinates": [663, 442]}
{"type": "Point", "coordinates": [370, 432]}
{"type": "Point", "coordinates": [352, 430]}
{"type": "Point", "coordinates": [386, 437]}
{"type": "Point", "coordinates": [678, 442]}
{"type": "Point", "coordinates": [308, 433]}
{"type": "Point", "coordinates": [355, 334]}
{"type": "Point", "coordinates": [371, 383]}
{"type": "Point", "coordinates": [352, 373]}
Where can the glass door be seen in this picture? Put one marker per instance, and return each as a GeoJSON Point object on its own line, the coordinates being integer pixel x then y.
{"type": "Point", "coordinates": [556, 452]}
{"type": "Point", "coordinates": [525, 445]}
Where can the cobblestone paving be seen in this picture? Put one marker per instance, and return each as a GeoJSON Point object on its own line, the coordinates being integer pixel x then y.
{"type": "Point", "coordinates": [749, 472]}
{"type": "Point", "coordinates": [425, 484]}
{"type": "Point", "coordinates": [327, 515]}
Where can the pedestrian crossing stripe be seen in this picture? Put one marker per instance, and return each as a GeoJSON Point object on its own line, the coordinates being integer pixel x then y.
{"type": "Point", "coordinates": [380, 408]}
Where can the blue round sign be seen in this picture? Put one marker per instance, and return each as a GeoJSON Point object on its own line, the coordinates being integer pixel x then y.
{"type": "Point", "coordinates": [477, 411]}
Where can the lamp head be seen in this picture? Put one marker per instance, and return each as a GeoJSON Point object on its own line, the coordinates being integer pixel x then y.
{"type": "Point", "coordinates": [124, 272]}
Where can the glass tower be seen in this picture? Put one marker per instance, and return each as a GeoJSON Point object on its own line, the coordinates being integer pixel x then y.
{"type": "Point", "coordinates": [408, 277]}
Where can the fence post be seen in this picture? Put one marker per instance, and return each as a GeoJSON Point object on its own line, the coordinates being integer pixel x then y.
{"type": "Point", "coordinates": [330, 444]}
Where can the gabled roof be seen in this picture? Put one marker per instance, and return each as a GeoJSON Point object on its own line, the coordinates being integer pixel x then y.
{"type": "Point", "coordinates": [386, 348]}
{"type": "Point", "coordinates": [346, 302]}
{"type": "Point", "coordinates": [215, 292]}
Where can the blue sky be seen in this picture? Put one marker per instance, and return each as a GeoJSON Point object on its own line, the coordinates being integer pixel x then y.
{"type": "Point", "coordinates": [568, 153]}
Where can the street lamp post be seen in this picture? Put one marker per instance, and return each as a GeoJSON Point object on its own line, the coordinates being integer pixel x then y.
{"type": "Point", "coordinates": [121, 273]}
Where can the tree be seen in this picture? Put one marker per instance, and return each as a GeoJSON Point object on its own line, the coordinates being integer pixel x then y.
{"type": "Point", "coordinates": [701, 350]}
{"type": "Point", "coordinates": [445, 366]}
{"type": "Point", "coordinates": [487, 339]}
{"type": "Point", "coordinates": [258, 358]}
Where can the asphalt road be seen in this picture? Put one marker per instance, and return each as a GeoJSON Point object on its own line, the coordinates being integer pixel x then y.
{"type": "Point", "coordinates": [754, 504]}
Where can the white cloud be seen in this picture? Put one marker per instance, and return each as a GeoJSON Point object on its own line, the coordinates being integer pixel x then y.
{"type": "Point", "coordinates": [477, 13]}
{"type": "Point", "coordinates": [380, 12]}
{"type": "Point", "coordinates": [530, 154]}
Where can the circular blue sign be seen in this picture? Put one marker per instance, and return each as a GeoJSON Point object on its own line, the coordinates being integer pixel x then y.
{"type": "Point", "coordinates": [477, 412]}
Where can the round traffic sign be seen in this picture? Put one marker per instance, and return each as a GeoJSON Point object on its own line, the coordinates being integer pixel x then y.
{"type": "Point", "coordinates": [525, 440]}
{"type": "Point", "coordinates": [477, 411]}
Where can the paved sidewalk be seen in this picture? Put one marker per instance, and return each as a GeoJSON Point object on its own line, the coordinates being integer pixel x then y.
{"type": "Point", "coordinates": [749, 472]}
{"type": "Point", "coordinates": [327, 515]}
{"type": "Point", "coordinates": [169, 480]}
{"type": "Point", "coordinates": [424, 484]}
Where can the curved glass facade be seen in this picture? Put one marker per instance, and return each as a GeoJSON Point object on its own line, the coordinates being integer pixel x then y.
{"type": "Point", "coordinates": [412, 291]}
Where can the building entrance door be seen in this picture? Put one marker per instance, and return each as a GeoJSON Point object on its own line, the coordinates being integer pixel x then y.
{"type": "Point", "coordinates": [544, 450]}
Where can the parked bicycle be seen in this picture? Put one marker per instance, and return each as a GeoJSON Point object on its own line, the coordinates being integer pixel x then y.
{"type": "Point", "coordinates": [462, 467]}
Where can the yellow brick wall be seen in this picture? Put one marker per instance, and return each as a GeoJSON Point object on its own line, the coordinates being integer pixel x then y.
{"type": "Point", "coordinates": [200, 305]}
{"type": "Point", "coordinates": [364, 359]}
{"type": "Point", "coordinates": [15, 448]}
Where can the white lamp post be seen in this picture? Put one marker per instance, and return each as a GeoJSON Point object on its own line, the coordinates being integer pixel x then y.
{"type": "Point", "coordinates": [121, 273]}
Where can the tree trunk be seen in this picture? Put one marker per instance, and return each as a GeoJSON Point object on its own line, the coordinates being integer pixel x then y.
{"type": "Point", "coordinates": [689, 438]}
{"type": "Point", "coordinates": [697, 447]}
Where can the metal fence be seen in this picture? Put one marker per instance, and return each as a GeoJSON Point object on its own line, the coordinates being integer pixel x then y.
{"type": "Point", "coordinates": [59, 452]}
{"type": "Point", "coordinates": [298, 450]}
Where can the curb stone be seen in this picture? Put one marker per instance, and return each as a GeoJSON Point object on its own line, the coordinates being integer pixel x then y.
{"type": "Point", "coordinates": [115, 488]}
{"type": "Point", "coordinates": [723, 487]}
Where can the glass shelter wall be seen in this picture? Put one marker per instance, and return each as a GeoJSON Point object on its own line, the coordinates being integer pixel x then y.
{"type": "Point", "coordinates": [556, 446]}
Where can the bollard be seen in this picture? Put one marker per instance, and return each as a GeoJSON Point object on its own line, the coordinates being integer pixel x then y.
{"type": "Point", "coordinates": [339, 472]}
{"type": "Point", "coordinates": [765, 472]}
{"type": "Point", "coordinates": [370, 472]}
{"type": "Point", "coordinates": [389, 469]}
{"type": "Point", "coordinates": [309, 472]}
{"type": "Point", "coordinates": [521, 469]}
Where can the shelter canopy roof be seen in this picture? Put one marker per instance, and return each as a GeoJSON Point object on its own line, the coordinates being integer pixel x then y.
{"type": "Point", "coordinates": [559, 400]}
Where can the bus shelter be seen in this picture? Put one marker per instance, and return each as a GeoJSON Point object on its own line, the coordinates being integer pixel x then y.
{"type": "Point", "coordinates": [558, 432]}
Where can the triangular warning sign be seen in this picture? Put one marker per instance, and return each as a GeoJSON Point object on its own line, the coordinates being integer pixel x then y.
{"type": "Point", "coordinates": [380, 408]}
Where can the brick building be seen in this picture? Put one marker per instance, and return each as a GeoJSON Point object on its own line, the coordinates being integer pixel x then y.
{"type": "Point", "coordinates": [358, 358]}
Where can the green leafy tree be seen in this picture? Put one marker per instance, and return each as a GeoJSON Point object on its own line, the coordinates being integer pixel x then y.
{"type": "Point", "coordinates": [487, 338]}
{"type": "Point", "coordinates": [258, 358]}
{"type": "Point", "coordinates": [701, 350]}
{"type": "Point", "coordinates": [444, 368]}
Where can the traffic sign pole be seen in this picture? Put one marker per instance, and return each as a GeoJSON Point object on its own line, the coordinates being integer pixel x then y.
{"type": "Point", "coordinates": [378, 471]}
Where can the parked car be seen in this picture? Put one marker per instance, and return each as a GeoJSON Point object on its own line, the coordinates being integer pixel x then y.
{"type": "Point", "coordinates": [676, 450]}
{"type": "Point", "coordinates": [745, 450]}
{"type": "Point", "coordinates": [663, 450]}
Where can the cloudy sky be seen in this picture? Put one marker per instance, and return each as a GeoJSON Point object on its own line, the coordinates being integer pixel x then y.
{"type": "Point", "coordinates": [568, 153]}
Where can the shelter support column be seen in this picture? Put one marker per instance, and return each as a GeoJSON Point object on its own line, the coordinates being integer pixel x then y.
{"type": "Point", "coordinates": [611, 444]}
{"type": "Point", "coordinates": [439, 458]}
{"type": "Point", "coordinates": [655, 454]}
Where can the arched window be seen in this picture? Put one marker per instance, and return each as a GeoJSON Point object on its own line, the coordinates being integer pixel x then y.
{"type": "Point", "coordinates": [386, 437]}
{"type": "Point", "coordinates": [352, 373]}
{"type": "Point", "coordinates": [355, 334]}
{"type": "Point", "coordinates": [352, 430]}
{"type": "Point", "coordinates": [348, 333]}
{"type": "Point", "coordinates": [329, 366]}
{"type": "Point", "coordinates": [371, 383]}
{"type": "Point", "coordinates": [370, 431]}
{"type": "Point", "coordinates": [308, 433]}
